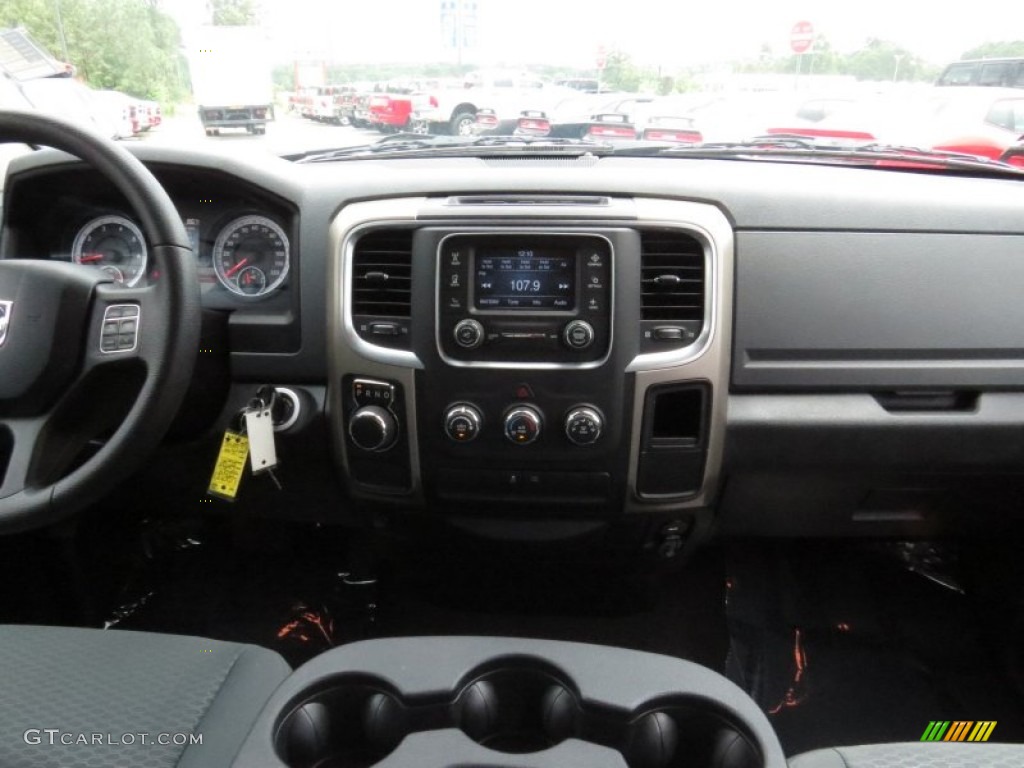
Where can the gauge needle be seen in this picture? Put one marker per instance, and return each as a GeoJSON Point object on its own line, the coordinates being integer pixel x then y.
{"type": "Point", "coordinates": [90, 257]}
{"type": "Point", "coordinates": [238, 266]}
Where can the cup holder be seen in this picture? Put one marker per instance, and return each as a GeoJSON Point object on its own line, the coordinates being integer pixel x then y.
{"type": "Point", "coordinates": [673, 736]}
{"type": "Point", "coordinates": [515, 706]}
{"type": "Point", "coordinates": [351, 724]}
{"type": "Point", "coordinates": [517, 710]}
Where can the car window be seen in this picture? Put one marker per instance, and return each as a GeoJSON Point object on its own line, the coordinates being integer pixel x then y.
{"type": "Point", "coordinates": [959, 74]}
{"type": "Point", "coordinates": [1009, 114]}
{"type": "Point", "coordinates": [997, 73]}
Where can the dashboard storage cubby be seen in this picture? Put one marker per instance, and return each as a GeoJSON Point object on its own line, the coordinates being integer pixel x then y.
{"type": "Point", "coordinates": [435, 702]}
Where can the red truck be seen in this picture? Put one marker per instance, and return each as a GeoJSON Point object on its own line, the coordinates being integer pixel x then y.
{"type": "Point", "coordinates": [392, 109]}
{"type": "Point", "coordinates": [390, 112]}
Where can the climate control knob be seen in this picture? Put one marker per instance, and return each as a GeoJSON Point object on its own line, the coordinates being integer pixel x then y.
{"type": "Point", "coordinates": [583, 425]}
{"type": "Point", "coordinates": [373, 428]}
{"type": "Point", "coordinates": [578, 334]}
{"type": "Point", "coordinates": [523, 424]}
{"type": "Point", "coordinates": [462, 422]}
{"type": "Point", "coordinates": [469, 334]}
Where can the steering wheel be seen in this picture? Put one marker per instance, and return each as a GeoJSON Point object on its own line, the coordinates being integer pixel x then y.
{"type": "Point", "coordinates": [84, 361]}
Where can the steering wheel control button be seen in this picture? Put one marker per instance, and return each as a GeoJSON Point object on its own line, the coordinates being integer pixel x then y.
{"type": "Point", "coordinates": [523, 425]}
{"type": "Point", "coordinates": [578, 334]}
{"type": "Point", "coordinates": [373, 428]}
{"type": "Point", "coordinates": [583, 425]}
{"type": "Point", "coordinates": [469, 334]}
{"type": "Point", "coordinates": [120, 332]}
{"type": "Point", "coordinates": [462, 422]}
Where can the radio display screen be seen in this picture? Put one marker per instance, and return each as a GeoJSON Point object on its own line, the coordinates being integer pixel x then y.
{"type": "Point", "coordinates": [513, 278]}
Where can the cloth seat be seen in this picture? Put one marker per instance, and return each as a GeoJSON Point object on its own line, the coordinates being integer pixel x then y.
{"type": "Point", "coordinates": [85, 698]}
{"type": "Point", "coordinates": [914, 755]}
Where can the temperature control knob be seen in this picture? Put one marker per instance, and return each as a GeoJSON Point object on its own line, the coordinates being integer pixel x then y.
{"type": "Point", "coordinates": [583, 425]}
{"type": "Point", "coordinates": [462, 422]}
{"type": "Point", "coordinates": [578, 334]}
{"type": "Point", "coordinates": [469, 334]}
{"type": "Point", "coordinates": [522, 425]}
{"type": "Point", "coordinates": [373, 428]}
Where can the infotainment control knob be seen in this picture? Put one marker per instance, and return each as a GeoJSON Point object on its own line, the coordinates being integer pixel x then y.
{"type": "Point", "coordinates": [578, 334]}
{"type": "Point", "coordinates": [522, 425]}
{"type": "Point", "coordinates": [469, 334]}
{"type": "Point", "coordinates": [462, 422]}
{"type": "Point", "coordinates": [583, 425]}
{"type": "Point", "coordinates": [373, 428]}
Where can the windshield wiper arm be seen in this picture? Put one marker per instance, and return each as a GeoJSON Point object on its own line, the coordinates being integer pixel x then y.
{"type": "Point", "coordinates": [414, 144]}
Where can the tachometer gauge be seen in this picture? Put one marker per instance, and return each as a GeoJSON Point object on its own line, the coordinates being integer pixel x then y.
{"type": "Point", "coordinates": [115, 246]}
{"type": "Point", "coordinates": [251, 257]}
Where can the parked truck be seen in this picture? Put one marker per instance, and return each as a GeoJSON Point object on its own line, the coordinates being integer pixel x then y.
{"type": "Point", "coordinates": [231, 78]}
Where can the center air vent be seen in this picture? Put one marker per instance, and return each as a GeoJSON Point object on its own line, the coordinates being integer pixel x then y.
{"type": "Point", "coordinates": [672, 289]}
{"type": "Point", "coordinates": [381, 289]}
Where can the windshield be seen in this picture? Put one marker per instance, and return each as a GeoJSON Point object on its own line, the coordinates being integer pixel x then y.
{"type": "Point", "coordinates": [296, 76]}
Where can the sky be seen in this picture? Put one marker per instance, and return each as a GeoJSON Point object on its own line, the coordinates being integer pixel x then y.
{"type": "Point", "coordinates": [668, 33]}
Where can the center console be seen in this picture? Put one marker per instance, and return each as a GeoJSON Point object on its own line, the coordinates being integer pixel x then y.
{"type": "Point", "coordinates": [530, 359]}
{"type": "Point", "coordinates": [435, 702]}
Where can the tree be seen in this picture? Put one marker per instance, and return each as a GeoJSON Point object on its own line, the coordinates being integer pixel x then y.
{"type": "Point", "coordinates": [135, 50]}
{"type": "Point", "coordinates": [620, 73]}
{"type": "Point", "coordinates": [884, 60]}
{"type": "Point", "coordinates": [995, 50]}
{"type": "Point", "coordinates": [230, 13]}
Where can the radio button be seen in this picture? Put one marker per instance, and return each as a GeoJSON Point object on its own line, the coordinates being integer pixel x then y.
{"type": "Point", "coordinates": [578, 334]}
{"type": "Point", "coordinates": [462, 422]}
{"type": "Point", "coordinates": [469, 334]}
{"type": "Point", "coordinates": [522, 425]}
{"type": "Point", "coordinates": [583, 425]}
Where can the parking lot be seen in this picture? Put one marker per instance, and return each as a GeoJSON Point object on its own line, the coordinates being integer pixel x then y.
{"type": "Point", "coordinates": [288, 133]}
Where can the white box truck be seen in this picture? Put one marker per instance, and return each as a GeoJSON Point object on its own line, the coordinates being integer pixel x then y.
{"type": "Point", "coordinates": [232, 81]}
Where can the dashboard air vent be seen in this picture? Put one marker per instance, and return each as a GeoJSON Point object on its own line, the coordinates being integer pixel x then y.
{"type": "Point", "coordinates": [672, 288]}
{"type": "Point", "coordinates": [382, 274]}
{"type": "Point", "coordinates": [381, 299]}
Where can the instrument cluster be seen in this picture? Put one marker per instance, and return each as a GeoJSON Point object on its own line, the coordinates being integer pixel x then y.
{"type": "Point", "coordinates": [248, 256]}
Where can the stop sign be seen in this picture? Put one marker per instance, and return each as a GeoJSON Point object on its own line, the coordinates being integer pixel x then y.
{"type": "Point", "coordinates": [801, 37]}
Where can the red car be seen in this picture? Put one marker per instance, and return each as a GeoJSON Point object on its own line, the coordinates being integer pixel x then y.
{"type": "Point", "coordinates": [979, 121]}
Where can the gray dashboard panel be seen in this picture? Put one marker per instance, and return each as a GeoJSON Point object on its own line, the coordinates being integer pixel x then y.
{"type": "Point", "coordinates": [864, 310]}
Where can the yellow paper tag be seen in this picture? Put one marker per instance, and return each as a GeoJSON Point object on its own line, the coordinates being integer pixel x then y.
{"type": "Point", "coordinates": [230, 466]}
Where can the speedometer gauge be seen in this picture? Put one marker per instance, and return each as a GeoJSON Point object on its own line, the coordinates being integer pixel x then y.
{"type": "Point", "coordinates": [251, 257]}
{"type": "Point", "coordinates": [115, 246]}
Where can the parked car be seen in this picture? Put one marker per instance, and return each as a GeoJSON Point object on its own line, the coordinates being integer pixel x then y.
{"type": "Point", "coordinates": [676, 130]}
{"type": "Point", "coordinates": [121, 110]}
{"type": "Point", "coordinates": [451, 106]}
{"type": "Point", "coordinates": [593, 116]}
{"type": "Point", "coordinates": [994, 73]}
{"type": "Point", "coordinates": [974, 120]}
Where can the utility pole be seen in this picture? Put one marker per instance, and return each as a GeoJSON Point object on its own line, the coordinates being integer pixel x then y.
{"type": "Point", "coordinates": [60, 30]}
{"type": "Point", "coordinates": [899, 58]}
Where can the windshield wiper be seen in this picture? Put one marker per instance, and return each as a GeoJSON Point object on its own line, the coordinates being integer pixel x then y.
{"type": "Point", "coordinates": [795, 148]}
{"type": "Point", "coordinates": [415, 145]}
